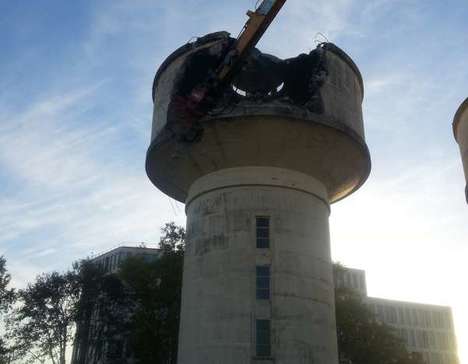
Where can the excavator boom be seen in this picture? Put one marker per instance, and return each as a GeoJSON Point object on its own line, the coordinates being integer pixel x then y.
{"type": "Point", "coordinates": [203, 96]}
{"type": "Point", "coordinates": [258, 23]}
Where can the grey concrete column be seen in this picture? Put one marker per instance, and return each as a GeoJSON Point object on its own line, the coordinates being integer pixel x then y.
{"type": "Point", "coordinates": [219, 304]}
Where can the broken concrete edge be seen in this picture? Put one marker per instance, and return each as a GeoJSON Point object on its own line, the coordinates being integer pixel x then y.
{"type": "Point", "coordinates": [456, 120]}
{"type": "Point", "coordinates": [331, 47]}
{"type": "Point", "coordinates": [344, 56]}
{"type": "Point", "coordinates": [184, 49]}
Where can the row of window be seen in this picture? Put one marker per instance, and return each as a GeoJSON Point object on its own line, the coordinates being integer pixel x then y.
{"type": "Point", "coordinates": [111, 262]}
{"type": "Point", "coordinates": [352, 280]}
{"type": "Point", "coordinates": [427, 339]}
{"type": "Point", "coordinates": [439, 358]}
{"type": "Point", "coordinates": [412, 316]}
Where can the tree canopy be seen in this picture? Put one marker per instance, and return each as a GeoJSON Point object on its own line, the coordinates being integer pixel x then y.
{"type": "Point", "coordinates": [134, 314]}
{"type": "Point", "coordinates": [7, 297]}
{"type": "Point", "coordinates": [156, 288]}
{"type": "Point", "coordinates": [41, 323]}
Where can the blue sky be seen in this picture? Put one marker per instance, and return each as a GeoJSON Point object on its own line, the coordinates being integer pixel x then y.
{"type": "Point", "coordinates": [75, 117]}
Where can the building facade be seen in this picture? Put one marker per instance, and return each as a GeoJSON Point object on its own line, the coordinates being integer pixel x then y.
{"type": "Point", "coordinates": [110, 261]}
{"type": "Point", "coordinates": [354, 279]}
{"type": "Point", "coordinates": [426, 329]}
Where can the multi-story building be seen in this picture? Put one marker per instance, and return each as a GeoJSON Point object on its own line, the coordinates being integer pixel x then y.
{"type": "Point", "coordinates": [97, 345]}
{"type": "Point", "coordinates": [111, 260]}
{"type": "Point", "coordinates": [354, 279]}
{"type": "Point", "coordinates": [426, 329]}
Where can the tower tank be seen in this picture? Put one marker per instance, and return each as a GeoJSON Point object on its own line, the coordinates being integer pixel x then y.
{"type": "Point", "coordinates": [460, 130]}
{"type": "Point", "coordinates": [257, 174]}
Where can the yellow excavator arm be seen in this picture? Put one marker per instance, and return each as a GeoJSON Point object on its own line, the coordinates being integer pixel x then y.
{"type": "Point", "coordinates": [203, 96]}
{"type": "Point", "coordinates": [258, 23]}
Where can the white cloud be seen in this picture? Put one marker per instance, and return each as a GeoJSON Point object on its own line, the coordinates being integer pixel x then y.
{"type": "Point", "coordinates": [75, 186]}
{"type": "Point", "coordinates": [69, 201]}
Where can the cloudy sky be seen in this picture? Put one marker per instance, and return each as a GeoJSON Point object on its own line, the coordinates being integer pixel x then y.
{"type": "Point", "coordinates": [75, 113]}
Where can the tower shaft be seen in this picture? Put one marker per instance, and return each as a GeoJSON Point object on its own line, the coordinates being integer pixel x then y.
{"type": "Point", "coordinates": [257, 272]}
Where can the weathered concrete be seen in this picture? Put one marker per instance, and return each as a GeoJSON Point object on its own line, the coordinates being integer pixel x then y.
{"type": "Point", "coordinates": [286, 154]}
{"type": "Point", "coordinates": [460, 129]}
{"type": "Point", "coordinates": [329, 144]}
{"type": "Point", "coordinates": [219, 305]}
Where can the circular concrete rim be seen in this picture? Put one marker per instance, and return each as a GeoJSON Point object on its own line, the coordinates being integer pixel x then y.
{"type": "Point", "coordinates": [333, 48]}
{"type": "Point", "coordinates": [336, 126]}
{"type": "Point", "coordinates": [264, 176]}
{"type": "Point", "coordinates": [224, 35]}
{"type": "Point", "coordinates": [187, 47]}
{"type": "Point", "coordinates": [456, 119]}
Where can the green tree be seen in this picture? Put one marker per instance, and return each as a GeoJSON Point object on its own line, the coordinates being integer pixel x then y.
{"type": "Point", "coordinates": [41, 325]}
{"type": "Point", "coordinates": [7, 296]}
{"type": "Point", "coordinates": [362, 339]}
{"type": "Point", "coordinates": [156, 290]}
{"type": "Point", "coordinates": [139, 306]}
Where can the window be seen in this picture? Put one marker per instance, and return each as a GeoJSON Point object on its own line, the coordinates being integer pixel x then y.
{"type": "Point", "coordinates": [263, 346]}
{"type": "Point", "coordinates": [401, 315]}
{"type": "Point", "coordinates": [263, 232]}
{"type": "Point", "coordinates": [412, 338]}
{"type": "Point", "coordinates": [414, 316]}
{"type": "Point", "coordinates": [405, 336]}
{"type": "Point", "coordinates": [263, 282]}
{"type": "Point", "coordinates": [361, 282]}
{"type": "Point", "coordinates": [424, 339]}
{"type": "Point", "coordinates": [380, 313]}
{"type": "Point", "coordinates": [391, 314]}
{"type": "Point", "coordinates": [427, 318]}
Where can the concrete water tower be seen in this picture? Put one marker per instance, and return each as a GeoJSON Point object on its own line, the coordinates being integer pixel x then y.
{"type": "Point", "coordinates": [257, 173]}
{"type": "Point", "coordinates": [460, 130]}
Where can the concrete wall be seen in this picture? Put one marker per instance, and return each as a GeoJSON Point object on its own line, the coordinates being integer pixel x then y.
{"type": "Point", "coordinates": [460, 128]}
{"type": "Point", "coordinates": [219, 305]}
{"type": "Point", "coordinates": [329, 145]}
